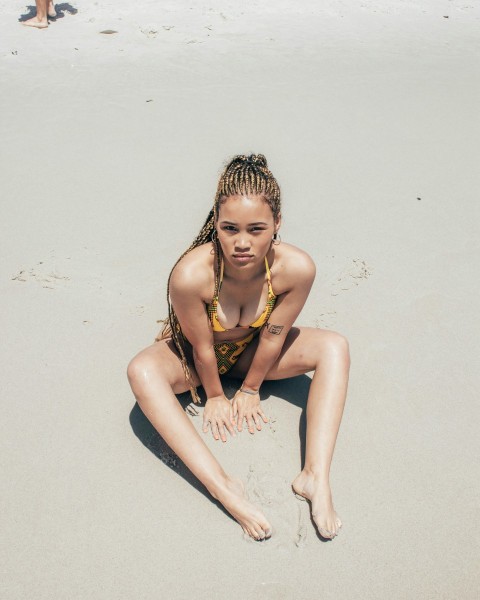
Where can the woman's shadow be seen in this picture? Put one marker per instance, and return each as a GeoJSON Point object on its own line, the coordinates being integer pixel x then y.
{"type": "Point", "coordinates": [293, 390]}
{"type": "Point", "coordinates": [61, 9]}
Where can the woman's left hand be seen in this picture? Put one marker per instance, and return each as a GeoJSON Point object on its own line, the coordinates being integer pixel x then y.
{"type": "Point", "coordinates": [247, 407]}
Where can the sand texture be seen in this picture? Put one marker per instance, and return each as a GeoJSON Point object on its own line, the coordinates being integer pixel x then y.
{"type": "Point", "coordinates": [111, 144]}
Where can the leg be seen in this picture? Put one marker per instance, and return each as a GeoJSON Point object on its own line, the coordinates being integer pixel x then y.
{"type": "Point", "coordinates": [51, 9]}
{"type": "Point", "coordinates": [155, 376]}
{"type": "Point", "coordinates": [325, 353]}
{"type": "Point", "coordinates": [40, 19]}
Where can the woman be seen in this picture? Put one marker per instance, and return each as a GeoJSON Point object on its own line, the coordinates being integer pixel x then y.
{"type": "Point", "coordinates": [233, 298]}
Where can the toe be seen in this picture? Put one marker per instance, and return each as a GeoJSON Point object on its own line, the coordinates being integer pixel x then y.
{"type": "Point", "coordinates": [263, 532]}
{"type": "Point", "coordinates": [326, 533]}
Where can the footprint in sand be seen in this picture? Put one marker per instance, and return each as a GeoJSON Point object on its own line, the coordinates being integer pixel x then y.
{"type": "Point", "coordinates": [50, 279]}
{"type": "Point", "coordinates": [274, 495]}
{"type": "Point", "coordinates": [351, 276]}
{"type": "Point", "coordinates": [325, 320]}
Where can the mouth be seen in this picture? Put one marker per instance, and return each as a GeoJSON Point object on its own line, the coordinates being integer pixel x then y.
{"type": "Point", "coordinates": [242, 257]}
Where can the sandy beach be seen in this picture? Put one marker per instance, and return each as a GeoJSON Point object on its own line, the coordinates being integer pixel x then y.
{"type": "Point", "coordinates": [111, 145]}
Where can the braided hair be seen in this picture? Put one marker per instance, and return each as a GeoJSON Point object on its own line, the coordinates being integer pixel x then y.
{"type": "Point", "coordinates": [242, 175]}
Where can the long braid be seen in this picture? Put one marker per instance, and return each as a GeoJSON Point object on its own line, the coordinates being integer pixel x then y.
{"type": "Point", "coordinates": [171, 328]}
{"type": "Point", "coordinates": [242, 175]}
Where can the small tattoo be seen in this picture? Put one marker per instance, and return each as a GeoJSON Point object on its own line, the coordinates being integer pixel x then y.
{"type": "Point", "coordinates": [275, 329]}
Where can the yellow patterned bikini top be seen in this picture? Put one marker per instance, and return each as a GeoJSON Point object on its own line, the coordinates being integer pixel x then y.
{"type": "Point", "coordinates": [262, 319]}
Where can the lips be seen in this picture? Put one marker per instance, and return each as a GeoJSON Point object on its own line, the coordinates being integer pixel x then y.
{"type": "Point", "coordinates": [242, 257]}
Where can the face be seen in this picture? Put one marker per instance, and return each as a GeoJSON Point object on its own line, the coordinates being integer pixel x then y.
{"type": "Point", "coordinates": [245, 228]}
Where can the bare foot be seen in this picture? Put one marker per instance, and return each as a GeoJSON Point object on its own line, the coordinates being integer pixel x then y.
{"type": "Point", "coordinates": [51, 10]}
{"type": "Point", "coordinates": [250, 518]}
{"type": "Point", "coordinates": [36, 22]}
{"type": "Point", "coordinates": [320, 496]}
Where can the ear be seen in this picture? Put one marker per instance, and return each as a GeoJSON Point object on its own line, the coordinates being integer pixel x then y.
{"type": "Point", "coordinates": [277, 223]}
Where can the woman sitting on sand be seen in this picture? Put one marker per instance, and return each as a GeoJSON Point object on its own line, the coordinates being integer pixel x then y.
{"type": "Point", "coordinates": [233, 298]}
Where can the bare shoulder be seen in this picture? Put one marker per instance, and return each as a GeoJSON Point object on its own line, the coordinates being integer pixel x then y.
{"type": "Point", "coordinates": [194, 273]}
{"type": "Point", "coordinates": [292, 267]}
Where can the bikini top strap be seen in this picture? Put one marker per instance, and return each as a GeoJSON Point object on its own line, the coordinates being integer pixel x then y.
{"type": "Point", "coordinates": [267, 269]}
{"type": "Point", "coordinates": [269, 278]}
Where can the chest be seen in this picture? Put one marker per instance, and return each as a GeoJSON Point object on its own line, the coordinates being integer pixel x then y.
{"type": "Point", "coordinates": [241, 305]}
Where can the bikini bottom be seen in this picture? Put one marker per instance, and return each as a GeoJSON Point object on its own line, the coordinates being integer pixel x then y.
{"type": "Point", "coordinates": [227, 353]}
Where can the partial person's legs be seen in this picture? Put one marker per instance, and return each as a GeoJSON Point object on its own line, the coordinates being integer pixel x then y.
{"type": "Point", "coordinates": [40, 19]}
{"type": "Point", "coordinates": [326, 353]}
{"type": "Point", "coordinates": [155, 376]}
{"type": "Point", "coordinates": [51, 9]}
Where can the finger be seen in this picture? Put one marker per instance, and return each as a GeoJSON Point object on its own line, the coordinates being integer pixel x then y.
{"type": "Point", "coordinates": [258, 423]}
{"type": "Point", "coordinates": [229, 426]}
{"type": "Point", "coordinates": [205, 425]}
{"type": "Point", "coordinates": [240, 418]}
{"type": "Point", "coordinates": [251, 428]}
{"type": "Point", "coordinates": [263, 415]}
{"type": "Point", "coordinates": [214, 428]}
{"type": "Point", "coordinates": [235, 408]}
{"type": "Point", "coordinates": [221, 430]}
{"type": "Point", "coordinates": [232, 416]}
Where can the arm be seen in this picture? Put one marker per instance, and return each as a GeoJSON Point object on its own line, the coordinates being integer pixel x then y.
{"type": "Point", "coordinates": [272, 339]}
{"type": "Point", "coordinates": [185, 285]}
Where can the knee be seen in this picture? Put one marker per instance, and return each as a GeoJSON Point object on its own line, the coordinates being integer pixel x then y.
{"type": "Point", "coordinates": [336, 345]}
{"type": "Point", "coordinates": [140, 370]}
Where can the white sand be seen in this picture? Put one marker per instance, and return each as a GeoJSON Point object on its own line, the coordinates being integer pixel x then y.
{"type": "Point", "coordinates": [111, 145]}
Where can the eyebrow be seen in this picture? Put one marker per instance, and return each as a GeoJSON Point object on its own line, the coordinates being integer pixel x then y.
{"type": "Point", "coordinates": [249, 224]}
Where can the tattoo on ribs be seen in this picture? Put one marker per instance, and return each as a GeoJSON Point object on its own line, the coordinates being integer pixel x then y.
{"type": "Point", "coordinates": [275, 329]}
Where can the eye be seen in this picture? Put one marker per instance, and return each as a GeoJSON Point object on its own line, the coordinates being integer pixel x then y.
{"type": "Point", "coordinates": [258, 228]}
{"type": "Point", "coordinates": [229, 228]}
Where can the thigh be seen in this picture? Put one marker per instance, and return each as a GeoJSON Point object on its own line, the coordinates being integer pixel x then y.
{"type": "Point", "coordinates": [299, 355]}
{"type": "Point", "coordinates": [162, 358]}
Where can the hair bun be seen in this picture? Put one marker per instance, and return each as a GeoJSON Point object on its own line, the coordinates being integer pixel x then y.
{"type": "Point", "coordinates": [257, 159]}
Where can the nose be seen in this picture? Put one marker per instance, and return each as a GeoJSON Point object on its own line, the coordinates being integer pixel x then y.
{"type": "Point", "coordinates": [242, 242]}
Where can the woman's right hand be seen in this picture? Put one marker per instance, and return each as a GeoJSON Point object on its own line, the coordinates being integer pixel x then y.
{"type": "Point", "coordinates": [218, 414]}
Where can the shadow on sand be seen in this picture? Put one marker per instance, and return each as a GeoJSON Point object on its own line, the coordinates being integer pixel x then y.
{"type": "Point", "coordinates": [61, 9]}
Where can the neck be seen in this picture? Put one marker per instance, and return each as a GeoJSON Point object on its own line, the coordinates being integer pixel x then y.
{"type": "Point", "coordinates": [243, 273]}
